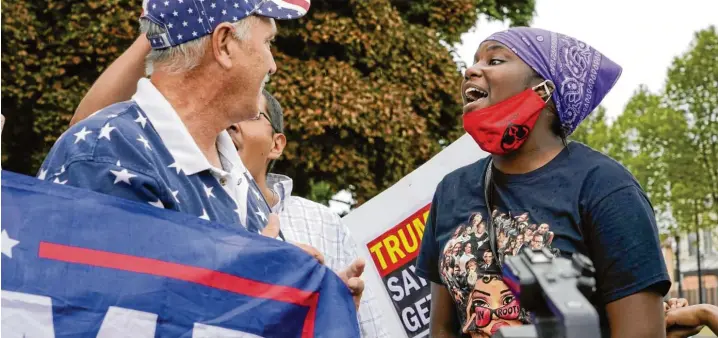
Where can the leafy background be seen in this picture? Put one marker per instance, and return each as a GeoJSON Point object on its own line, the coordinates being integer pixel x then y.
{"type": "Point", "coordinates": [368, 86]}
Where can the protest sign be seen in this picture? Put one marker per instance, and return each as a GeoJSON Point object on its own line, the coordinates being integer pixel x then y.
{"type": "Point", "coordinates": [83, 264]}
{"type": "Point", "coordinates": [388, 229]}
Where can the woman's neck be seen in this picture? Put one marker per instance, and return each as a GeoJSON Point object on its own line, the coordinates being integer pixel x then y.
{"type": "Point", "coordinates": [529, 157]}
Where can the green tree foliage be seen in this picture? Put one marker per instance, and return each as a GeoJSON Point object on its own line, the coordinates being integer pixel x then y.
{"type": "Point", "coordinates": [692, 88]}
{"type": "Point", "coordinates": [52, 51]}
{"type": "Point", "coordinates": [369, 90]}
{"type": "Point", "coordinates": [368, 87]}
{"type": "Point", "coordinates": [668, 140]}
{"type": "Point", "coordinates": [594, 130]}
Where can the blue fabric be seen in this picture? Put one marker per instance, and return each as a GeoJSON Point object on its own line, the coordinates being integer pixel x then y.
{"type": "Point", "coordinates": [38, 214]}
{"type": "Point", "coordinates": [581, 201]}
{"type": "Point", "coordinates": [96, 163]}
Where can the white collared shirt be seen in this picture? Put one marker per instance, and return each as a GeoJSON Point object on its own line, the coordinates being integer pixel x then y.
{"type": "Point", "coordinates": [141, 150]}
{"type": "Point", "coordinates": [175, 136]}
{"type": "Point", "coordinates": [315, 224]}
{"type": "Point", "coordinates": [233, 176]}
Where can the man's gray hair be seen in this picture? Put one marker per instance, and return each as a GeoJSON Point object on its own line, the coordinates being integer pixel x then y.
{"type": "Point", "coordinates": [187, 56]}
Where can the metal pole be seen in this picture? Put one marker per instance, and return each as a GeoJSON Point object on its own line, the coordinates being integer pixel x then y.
{"type": "Point", "coordinates": [679, 280]}
{"type": "Point", "coordinates": [698, 257]}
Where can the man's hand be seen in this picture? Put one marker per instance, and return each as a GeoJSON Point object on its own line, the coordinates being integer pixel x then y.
{"type": "Point", "coordinates": [311, 251]}
{"type": "Point", "coordinates": [684, 321]}
{"type": "Point", "coordinates": [272, 231]}
{"type": "Point", "coordinates": [351, 277]}
{"type": "Point", "coordinates": [675, 303]}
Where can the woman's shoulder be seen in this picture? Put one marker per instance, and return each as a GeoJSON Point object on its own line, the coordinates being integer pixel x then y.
{"type": "Point", "coordinates": [603, 174]}
{"type": "Point", "coordinates": [598, 164]}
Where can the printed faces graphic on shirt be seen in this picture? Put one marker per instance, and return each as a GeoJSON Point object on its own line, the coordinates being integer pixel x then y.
{"type": "Point", "coordinates": [473, 275]}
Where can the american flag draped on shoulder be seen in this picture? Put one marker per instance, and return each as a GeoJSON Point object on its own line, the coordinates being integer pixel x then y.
{"type": "Point", "coordinates": [82, 264]}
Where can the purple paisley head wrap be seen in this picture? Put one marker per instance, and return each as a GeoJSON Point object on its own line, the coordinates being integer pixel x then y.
{"type": "Point", "coordinates": [582, 75]}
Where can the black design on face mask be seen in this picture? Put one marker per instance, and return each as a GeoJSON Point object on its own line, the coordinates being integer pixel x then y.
{"type": "Point", "coordinates": [512, 135]}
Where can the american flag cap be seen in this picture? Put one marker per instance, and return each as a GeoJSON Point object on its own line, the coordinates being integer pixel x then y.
{"type": "Point", "coordinates": [186, 20]}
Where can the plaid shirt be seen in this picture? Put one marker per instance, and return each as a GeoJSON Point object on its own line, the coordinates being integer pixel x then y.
{"type": "Point", "coordinates": [314, 224]}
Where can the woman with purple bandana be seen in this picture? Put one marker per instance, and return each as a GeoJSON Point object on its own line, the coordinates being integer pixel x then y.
{"type": "Point", "coordinates": [526, 93]}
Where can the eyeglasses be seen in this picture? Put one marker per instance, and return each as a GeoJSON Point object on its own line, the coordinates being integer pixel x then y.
{"type": "Point", "coordinates": [509, 311]}
{"type": "Point", "coordinates": [259, 116]}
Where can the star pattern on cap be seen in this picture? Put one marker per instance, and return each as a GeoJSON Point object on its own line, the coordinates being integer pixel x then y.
{"type": "Point", "coordinates": [188, 20]}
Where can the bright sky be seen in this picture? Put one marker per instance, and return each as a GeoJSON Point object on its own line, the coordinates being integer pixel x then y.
{"type": "Point", "coordinates": [642, 36]}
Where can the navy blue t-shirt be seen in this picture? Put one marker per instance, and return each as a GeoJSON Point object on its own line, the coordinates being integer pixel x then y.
{"type": "Point", "coordinates": [581, 201]}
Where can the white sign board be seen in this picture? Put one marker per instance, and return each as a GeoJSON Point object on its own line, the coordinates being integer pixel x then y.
{"type": "Point", "coordinates": [388, 230]}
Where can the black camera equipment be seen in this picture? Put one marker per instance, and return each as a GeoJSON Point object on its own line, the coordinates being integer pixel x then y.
{"type": "Point", "coordinates": [555, 290]}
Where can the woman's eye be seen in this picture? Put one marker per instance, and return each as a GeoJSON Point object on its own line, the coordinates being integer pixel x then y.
{"type": "Point", "coordinates": [507, 300]}
{"type": "Point", "coordinates": [494, 62]}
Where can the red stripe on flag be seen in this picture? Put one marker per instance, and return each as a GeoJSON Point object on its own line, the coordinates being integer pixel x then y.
{"type": "Point", "coordinates": [301, 3]}
{"type": "Point", "coordinates": [192, 274]}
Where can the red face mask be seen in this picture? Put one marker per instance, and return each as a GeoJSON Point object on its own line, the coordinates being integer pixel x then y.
{"type": "Point", "coordinates": [505, 126]}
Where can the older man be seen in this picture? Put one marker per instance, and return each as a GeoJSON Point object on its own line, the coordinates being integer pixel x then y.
{"type": "Point", "coordinates": [213, 78]}
{"type": "Point", "coordinates": [168, 146]}
{"type": "Point", "coordinates": [259, 141]}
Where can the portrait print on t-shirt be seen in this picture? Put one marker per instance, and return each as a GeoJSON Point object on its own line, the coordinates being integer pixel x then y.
{"type": "Point", "coordinates": [473, 277]}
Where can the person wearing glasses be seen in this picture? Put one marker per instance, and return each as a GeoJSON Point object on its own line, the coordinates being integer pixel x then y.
{"type": "Point", "coordinates": [259, 141]}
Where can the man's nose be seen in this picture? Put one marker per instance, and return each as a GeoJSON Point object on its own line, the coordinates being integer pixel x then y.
{"type": "Point", "coordinates": [272, 66]}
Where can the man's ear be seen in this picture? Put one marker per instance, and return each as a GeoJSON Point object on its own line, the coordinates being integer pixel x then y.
{"type": "Point", "coordinates": [221, 39]}
{"type": "Point", "coordinates": [280, 141]}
